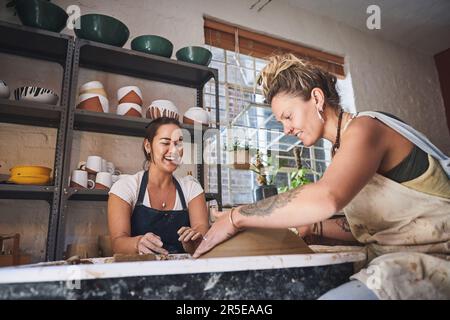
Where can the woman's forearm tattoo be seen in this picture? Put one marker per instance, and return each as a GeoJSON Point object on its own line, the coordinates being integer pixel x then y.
{"type": "Point", "coordinates": [265, 207]}
{"type": "Point", "coordinates": [343, 224]}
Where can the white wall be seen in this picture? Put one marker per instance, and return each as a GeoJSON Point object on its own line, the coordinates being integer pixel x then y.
{"type": "Point", "coordinates": [385, 77]}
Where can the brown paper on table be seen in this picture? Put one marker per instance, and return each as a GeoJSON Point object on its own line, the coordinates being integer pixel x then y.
{"type": "Point", "coordinates": [260, 242]}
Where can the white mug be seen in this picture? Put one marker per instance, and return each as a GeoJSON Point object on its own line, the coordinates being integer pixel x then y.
{"type": "Point", "coordinates": [79, 179]}
{"type": "Point", "coordinates": [94, 164]}
{"type": "Point", "coordinates": [103, 180]}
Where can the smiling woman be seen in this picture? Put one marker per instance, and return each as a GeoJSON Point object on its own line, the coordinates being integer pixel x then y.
{"type": "Point", "coordinates": [403, 219]}
{"type": "Point", "coordinates": [153, 211]}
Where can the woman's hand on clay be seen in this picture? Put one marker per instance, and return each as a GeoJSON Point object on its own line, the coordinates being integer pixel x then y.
{"type": "Point", "coordinates": [221, 230]}
{"type": "Point", "coordinates": [189, 238]}
{"type": "Point", "coordinates": [151, 243]}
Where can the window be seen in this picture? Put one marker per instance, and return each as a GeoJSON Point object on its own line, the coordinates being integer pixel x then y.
{"type": "Point", "coordinates": [243, 114]}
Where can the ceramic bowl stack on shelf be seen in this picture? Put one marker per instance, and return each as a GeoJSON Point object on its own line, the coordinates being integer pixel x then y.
{"type": "Point", "coordinates": [162, 108]}
{"type": "Point", "coordinates": [36, 94]}
{"type": "Point", "coordinates": [92, 97]}
{"type": "Point", "coordinates": [30, 175]}
{"type": "Point", "coordinates": [196, 115]}
{"type": "Point", "coordinates": [130, 101]}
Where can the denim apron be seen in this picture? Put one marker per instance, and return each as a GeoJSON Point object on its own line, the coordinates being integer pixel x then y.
{"type": "Point", "coordinates": [162, 223]}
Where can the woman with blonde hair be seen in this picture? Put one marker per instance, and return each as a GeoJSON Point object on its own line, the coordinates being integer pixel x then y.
{"type": "Point", "coordinates": [391, 182]}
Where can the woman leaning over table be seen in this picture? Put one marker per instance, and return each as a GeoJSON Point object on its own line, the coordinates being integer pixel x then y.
{"type": "Point", "coordinates": [390, 180]}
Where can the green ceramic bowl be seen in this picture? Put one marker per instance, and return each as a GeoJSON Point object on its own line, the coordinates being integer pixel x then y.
{"type": "Point", "coordinates": [104, 29]}
{"type": "Point", "coordinates": [197, 55]}
{"type": "Point", "coordinates": [153, 44]}
{"type": "Point", "coordinates": [41, 14]}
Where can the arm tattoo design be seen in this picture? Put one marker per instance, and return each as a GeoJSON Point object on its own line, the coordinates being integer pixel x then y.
{"type": "Point", "coordinates": [265, 207]}
{"type": "Point", "coordinates": [343, 224]}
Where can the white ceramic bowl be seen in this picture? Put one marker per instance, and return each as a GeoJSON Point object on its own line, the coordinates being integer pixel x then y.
{"type": "Point", "coordinates": [104, 102]}
{"type": "Point", "coordinates": [162, 108]}
{"type": "Point", "coordinates": [36, 94]}
{"type": "Point", "coordinates": [4, 90]}
{"type": "Point", "coordinates": [91, 85]}
{"type": "Point", "coordinates": [125, 107]}
{"type": "Point", "coordinates": [197, 114]}
{"type": "Point", "coordinates": [125, 90]}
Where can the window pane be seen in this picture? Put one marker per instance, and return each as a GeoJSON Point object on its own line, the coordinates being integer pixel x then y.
{"type": "Point", "coordinates": [218, 54]}
{"type": "Point", "coordinates": [319, 154]}
{"type": "Point", "coordinates": [220, 66]}
{"type": "Point", "coordinates": [239, 96]}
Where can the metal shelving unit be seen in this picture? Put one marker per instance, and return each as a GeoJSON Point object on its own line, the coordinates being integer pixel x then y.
{"type": "Point", "coordinates": [54, 47]}
{"type": "Point", "coordinates": [97, 56]}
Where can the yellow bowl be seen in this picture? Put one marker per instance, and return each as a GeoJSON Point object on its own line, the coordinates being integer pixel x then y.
{"type": "Point", "coordinates": [30, 171]}
{"type": "Point", "coordinates": [35, 180]}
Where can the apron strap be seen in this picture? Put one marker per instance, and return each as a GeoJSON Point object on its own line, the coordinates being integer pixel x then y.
{"type": "Point", "coordinates": [143, 188]}
{"type": "Point", "coordinates": [180, 193]}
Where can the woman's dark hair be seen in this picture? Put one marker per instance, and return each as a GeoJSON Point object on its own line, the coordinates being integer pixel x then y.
{"type": "Point", "coordinates": [152, 128]}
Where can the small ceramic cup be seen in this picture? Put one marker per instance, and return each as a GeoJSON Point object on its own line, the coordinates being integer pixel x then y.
{"type": "Point", "coordinates": [79, 180]}
{"type": "Point", "coordinates": [94, 164]}
{"type": "Point", "coordinates": [129, 109]}
{"type": "Point", "coordinates": [103, 180]}
{"type": "Point", "coordinates": [129, 94]}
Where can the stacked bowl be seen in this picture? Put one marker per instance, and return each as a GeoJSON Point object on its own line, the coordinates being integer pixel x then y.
{"type": "Point", "coordinates": [93, 97]}
{"type": "Point", "coordinates": [162, 108]}
{"type": "Point", "coordinates": [36, 94]}
{"type": "Point", "coordinates": [130, 101]}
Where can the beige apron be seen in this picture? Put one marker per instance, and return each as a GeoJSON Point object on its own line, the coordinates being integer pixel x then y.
{"type": "Point", "coordinates": [407, 236]}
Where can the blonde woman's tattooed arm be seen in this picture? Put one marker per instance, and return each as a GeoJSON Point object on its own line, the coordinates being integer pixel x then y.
{"type": "Point", "coordinates": [301, 206]}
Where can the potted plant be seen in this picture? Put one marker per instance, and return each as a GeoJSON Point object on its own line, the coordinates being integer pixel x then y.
{"type": "Point", "coordinates": [265, 177]}
{"type": "Point", "coordinates": [238, 156]}
{"type": "Point", "coordinates": [298, 177]}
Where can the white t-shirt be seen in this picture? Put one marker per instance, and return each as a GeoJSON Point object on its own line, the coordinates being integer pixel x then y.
{"type": "Point", "coordinates": [127, 189]}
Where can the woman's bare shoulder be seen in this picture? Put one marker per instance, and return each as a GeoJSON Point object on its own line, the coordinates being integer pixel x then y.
{"type": "Point", "coordinates": [364, 128]}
